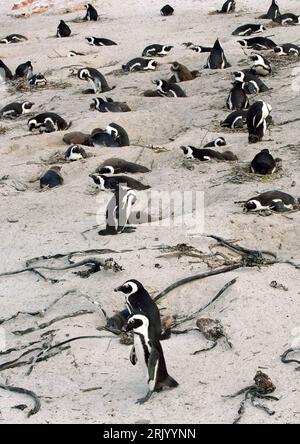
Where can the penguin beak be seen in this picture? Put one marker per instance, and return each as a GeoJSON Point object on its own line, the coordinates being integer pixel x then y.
{"type": "Point", "coordinates": [118, 289]}
{"type": "Point", "coordinates": [128, 326]}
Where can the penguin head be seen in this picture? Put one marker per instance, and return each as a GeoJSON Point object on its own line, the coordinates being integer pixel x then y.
{"type": "Point", "coordinates": [130, 287]}
{"type": "Point", "coordinates": [152, 64]}
{"type": "Point", "coordinates": [138, 322]}
{"type": "Point", "coordinates": [168, 48]}
{"type": "Point", "coordinates": [251, 205]}
{"type": "Point", "coordinates": [175, 66]}
{"type": "Point", "coordinates": [90, 40]}
{"type": "Point", "coordinates": [239, 76]}
{"type": "Point", "coordinates": [100, 181]}
{"type": "Point", "coordinates": [279, 50]}
{"type": "Point", "coordinates": [95, 103]}
{"type": "Point", "coordinates": [26, 106]}
{"type": "Point", "coordinates": [243, 43]}
{"type": "Point", "coordinates": [37, 80]}
{"type": "Point", "coordinates": [220, 141]}
{"type": "Point", "coordinates": [83, 74]}
{"type": "Point", "coordinates": [118, 133]}
{"type": "Point", "coordinates": [107, 169]}
{"type": "Point", "coordinates": [262, 28]}
{"type": "Point", "coordinates": [32, 124]}
{"type": "Point", "coordinates": [187, 151]}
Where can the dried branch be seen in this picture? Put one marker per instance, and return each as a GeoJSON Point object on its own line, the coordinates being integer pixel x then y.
{"type": "Point", "coordinates": [37, 402]}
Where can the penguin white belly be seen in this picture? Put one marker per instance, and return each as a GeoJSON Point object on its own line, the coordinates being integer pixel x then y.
{"type": "Point", "coordinates": [140, 354]}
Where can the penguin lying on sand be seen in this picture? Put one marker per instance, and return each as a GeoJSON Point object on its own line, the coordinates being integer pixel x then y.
{"type": "Point", "coordinates": [249, 29]}
{"type": "Point", "coordinates": [77, 138]}
{"type": "Point", "coordinates": [48, 122]}
{"type": "Point", "coordinates": [198, 48]}
{"type": "Point", "coordinates": [205, 154]}
{"type": "Point", "coordinates": [14, 38]}
{"type": "Point", "coordinates": [261, 66]}
{"type": "Point", "coordinates": [263, 163]}
{"type": "Point", "coordinates": [52, 178]}
{"type": "Point", "coordinates": [75, 152]}
{"type": "Point", "coordinates": [140, 64]}
{"type": "Point", "coordinates": [254, 84]}
{"type": "Point", "coordinates": [95, 41]}
{"type": "Point", "coordinates": [106, 183]}
{"type": "Point", "coordinates": [235, 120]}
{"type": "Point", "coordinates": [287, 19]}
{"type": "Point", "coordinates": [37, 80]}
{"type": "Point", "coordinates": [109, 105]}
{"type": "Point", "coordinates": [257, 43]}
{"type": "Point", "coordinates": [16, 109]}
{"type": "Point", "coordinates": [156, 50]}
{"type": "Point", "coordinates": [164, 88]}
{"type": "Point", "coordinates": [217, 59]}
{"type": "Point", "coordinates": [117, 166]}
{"type": "Point", "coordinates": [219, 141]}
{"type": "Point", "coordinates": [271, 200]}
{"type": "Point", "coordinates": [287, 49]}
{"type": "Point", "coordinates": [96, 79]}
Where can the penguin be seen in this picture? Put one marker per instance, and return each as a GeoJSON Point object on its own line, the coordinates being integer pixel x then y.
{"type": "Point", "coordinates": [14, 38]}
{"type": "Point", "coordinates": [75, 152]}
{"type": "Point", "coordinates": [287, 49]}
{"type": "Point", "coordinates": [77, 138]}
{"type": "Point", "coordinates": [139, 300]}
{"type": "Point", "coordinates": [96, 79]}
{"type": "Point", "coordinates": [16, 109]}
{"type": "Point", "coordinates": [117, 166]}
{"type": "Point", "coordinates": [258, 43]}
{"type": "Point", "coordinates": [205, 154]}
{"type": "Point", "coordinates": [118, 211]}
{"type": "Point", "coordinates": [235, 120]}
{"type": "Point", "coordinates": [95, 41]}
{"type": "Point", "coordinates": [91, 13]}
{"type": "Point", "coordinates": [263, 163]}
{"type": "Point", "coordinates": [48, 122]}
{"type": "Point", "coordinates": [181, 73]}
{"type": "Point", "coordinates": [198, 48]}
{"type": "Point", "coordinates": [167, 10]}
{"type": "Point", "coordinates": [63, 30]}
{"type": "Point", "coordinates": [100, 138]}
{"type": "Point", "coordinates": [156, 50]}
{"type": "Point", "coordinates": [140, 64]}
{"type": "Point", "coordinates": [52, 178]}
{"type": "Point", "coordinates": [218, 142]}
{"type": "Point", "coordinates": [228, 6]}
{"type": "Point", "coordinates": [118, 133]}
{"type": "Point", "coordinates": [75, 53]}
{"type": "Point", "coordinates": [287, 19]}
{"type": "Point", "coordinates": [5, 73]}
{"type": "Point", "coordinates": [237, 98]}
{"type": "Point", "coordinates": [256, 120]}
{"type": "Point", "coordinates": [254, 84]}
{"type": "Point", "coordinates": [272, 13]}
{"type": "Point", "coordinates": [147, 350]}
{"type": "Point", "coordinates": [249, 29]}
{"type": "Point", "coordinates": [106, 183]}
{"type": "Point", "coordinates": [271, 200]}
{"type": "Point", "coordinates": [109, 105]}
{"type": "Point", "coordinates": [167, 89]}
{"type": "Point", "coordinates": [24, 71]}
{"type": "Point", "coordinates": [217, 59]}
{"type": "Point", "coordinates": [262, 66]}
{"type": "Point", "coordinates": [37, 80]}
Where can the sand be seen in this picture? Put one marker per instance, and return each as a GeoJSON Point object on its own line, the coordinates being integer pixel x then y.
{"type": "Point", "coordinates": [261, 321]}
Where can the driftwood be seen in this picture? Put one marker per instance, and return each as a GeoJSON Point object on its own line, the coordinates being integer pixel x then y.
{"type": "Point", "coordinates": [37, 402]}
{"type": "Point", "coordinates": [287, 352]}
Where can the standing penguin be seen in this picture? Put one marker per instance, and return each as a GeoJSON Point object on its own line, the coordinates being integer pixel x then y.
{"type": "Point", "coordinates": [167, 10]}
{"type": "Point", "coordinates": [24, 71]}
{"type": "Point", "coordinates": [237, 99]}
{"type": "Point", "coordinates": [263, 163]}
{"type": "Point", "coordinates": [148, 351]}
{"type": "Point", "coordinates": [96, 79]}
{"type": "Point", "coordinates": [118, 133]}
{"type": "Point", "coordinates": [91, 13]}
{"type": "Point", "coordinates": [256, 120]}
{"type": "Point", "coordinates": [52, 178]}
{"type": "Point", "coordinates": [261, 66]}
{"type": "Point", "coordinates": [5, 72]}
{"type": "Point", "coordinates": [272, 13]}
{"type": "Point", "coordinates": [217, 59]}
{"type": "Point", "coordinates": [228, 6]}
{"type": "Point", "coordinates": [63, 30]}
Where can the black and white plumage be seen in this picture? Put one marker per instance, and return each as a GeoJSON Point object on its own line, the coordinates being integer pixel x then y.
{"type": "Point", "coordinates": [63, 30]}
{"type": "Point", "coordinates": [254, 84]}
{"type": "Point", "coordinates": [96, 79]}
{"type": "Point", "coordinates": [75, 152]}
{"type": "Point", "coordinates": [288, 49]}
{"type": "Point", "coordinates": [52, 178]}
{"type": "Point", "coordinates": [16, 109]}
{"type": "Point", "coordinates": [148, 352]}
{"type": "Point", "coordinates": [206, 154]}
{"type": "Point", "coordinates": [217, 59]}
{"type": "Point", "coordinates": [235, 120]}
{"type": "Point", "coordinates": [272, 13]}
{"type": "Point", "coordinates": [228, 6]}
{"type": "Point", "coordinates": [140, 64]}
{"type": "Point", "coordinates": [107, 183]}
{"type": "Point", "coordinates": [288, 19]}
{"type": "Point", "coordinates": [218, 142]}
{"type": "Point", "coordinates": [167, 10]}
{"type": "Point", "coordinates": [24, 71]}
{"type": "Point", "coordinates": [237, 98]}
{"type": "Point", "coordinates": [271, 200]}
{"type": "Point", "coordinates": [156, 50]}
{"type": "Point", "coordinates": [117, 166]}
{"type": "Point", "coordinates": [14, 38]}
{"type": "Point", "coordinates": [257, 120]}
{"type": "Point", "coordinates": [5, 73]}
{"type": "Point", "coordinates": [198, 48]}
{"type": "Point", "coordinates": [263, 163]}
{"type": "Point", "coordinates": [261, 65]}
{"type": "Point", "coordinates": [96, 41]}
{"type": "Point", "coordinates": [48, 122]}
{"type": "Point", "coordinates": [109, 105]}
{"type": "Point", "coordinates": [73, 53]}
{"type": "Point", "coordinates": [249, 29]}
{"type": "Point", "coordinates": [37, 80]}
{"type": "Point", "coordinates": [258, 43]}
{"type": "Point", "coordinates": [164, 88]}
{"type": "Point", "coordinates": [118, 133]}
{"type": "Point", "coordinates": [91, 13]}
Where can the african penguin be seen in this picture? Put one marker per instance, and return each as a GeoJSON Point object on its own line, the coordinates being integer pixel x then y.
{"type": "Point", "coordinates": [167, 10]}
{"type": "Point", "coordinates": [100, 137]}
{"type": "Point", "coordinates": [254, 84]}
{"type": "Point", "coordinates": [95, 41]}
{"type": "Point", "coordinates": [205, 154]}
{"type": "Point", "coordinates": [181, 73]}
{"type": "Point", "coordinates": [106, 183]}
{"type": "Point", "coordinates": [118, 133]}
{"type": "Point", "coordinates": [156, 50]}
{"type": "Point", "coordinates": [219, 141]}
{"type": "Point", "coordinates": [16, 109]}
{"type": "Point", "coordinates": [140, 64]}
{"type": "Point", "coordinates": [262, 66]}
{"type": "Point", "coordinates": [271, 200]}
{"type": "Point", "coordinates": [52, 178]}
{"type": "Point", "coordinates": [77, 138]}
{"type": "Point", "coordinates": [75, 152]}
{"type": "Point", "coordinates": [96, 79]}
{"type": "Point", "coordinates": [5, 72]}
{"type": "Point", "coordinates": [148, 351]}
{"type": "Point", "coordinates": [287, 49]}
{"type": "Point", "coordinates": [167, 89]}
{"type": "Point", "coordinates": [75, 53]}
{"type": "Point", "coordinates": [287, 19]}
{"type": "Point", "coordinates": [198, 48]}
{"type": "Point", "coordinates": [24, 70]}
{"type": "Point", "coordinates": [14, 38]}
{"type": "Point", "coordinates": [91, 13]}
{"type": "Point", "coordinates": [263, 163]}
{"type": "Point", "coordinates": [116, 166]}
{"type": "Point", "coordinates": [48, 122]}
{"type": "Point", "coordinates": [217, 59]}
{"type": "Point", "coordinates": [235, 120]}
{"type": "Point", "coordinates": [37, 80]}
{"type": "Point", "coordinates": [272, 13]}
{"type": "Point", "coordinates": [237, 98]}
{"type": "Point", "coordinates": [256, 120]}
{"type": "Point", "coordinates": [63, 30]}
{"type": "Point", "coordinates": [249, 29]}
{"type": "Point", "coordinates": [258, 43]}
{"type": "Point", "coordinates": [228, 6]}
{"type": "Point", "coordinates": [109, 105]}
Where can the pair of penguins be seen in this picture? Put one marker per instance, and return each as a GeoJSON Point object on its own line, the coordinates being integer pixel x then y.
{"type": "Point", "coordinates": [143, 318]}
{"type": "Point", "coordinates": [63, 30]}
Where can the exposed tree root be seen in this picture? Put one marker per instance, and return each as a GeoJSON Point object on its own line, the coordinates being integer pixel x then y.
{"type": "Point", "coordinates": [37, 402]}
{"type": "Point", "coordinates": [287, 352]}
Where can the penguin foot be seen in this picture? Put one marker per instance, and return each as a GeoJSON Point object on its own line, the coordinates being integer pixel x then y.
{"type": "Point", "coordinates": [145, 399]}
